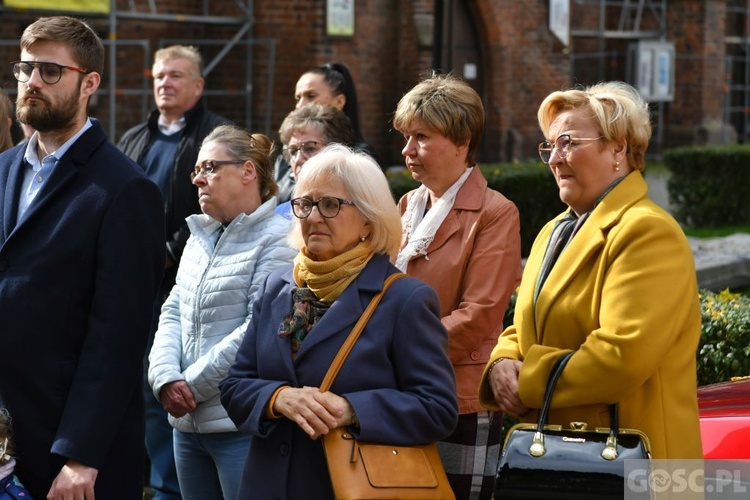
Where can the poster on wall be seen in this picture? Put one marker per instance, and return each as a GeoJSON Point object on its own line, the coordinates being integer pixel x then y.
{"type": "Point", "coordinates": [340, 17]}
{"type": "Point", "coordinates": [645, 71]}
{"type": "Point", "coordinates": [98, 6]}
{"type": "Point", "coordinates": [655, 71]}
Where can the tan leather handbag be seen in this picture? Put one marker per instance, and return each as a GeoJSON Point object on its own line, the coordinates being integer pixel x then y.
{"type": "Point", "coordinates": [362, 470]}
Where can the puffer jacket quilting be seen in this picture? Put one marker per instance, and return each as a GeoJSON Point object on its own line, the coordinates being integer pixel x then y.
{"type": "Point", "coordinates": [205, 317]}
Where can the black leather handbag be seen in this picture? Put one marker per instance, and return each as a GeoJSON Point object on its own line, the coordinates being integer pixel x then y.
{"type": "Point", "coordinates": [548, 462]}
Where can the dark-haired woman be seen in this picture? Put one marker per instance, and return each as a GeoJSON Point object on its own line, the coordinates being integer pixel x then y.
{"type": "Point", "coordinates": [330, 84]}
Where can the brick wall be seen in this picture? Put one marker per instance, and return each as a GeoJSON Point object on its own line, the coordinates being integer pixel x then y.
{"type": "Point", "coordinates": [521, 62]}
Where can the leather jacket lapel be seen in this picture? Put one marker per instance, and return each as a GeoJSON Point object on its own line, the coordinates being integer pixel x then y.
{"type": "Point", "coordinates": [469, 197]}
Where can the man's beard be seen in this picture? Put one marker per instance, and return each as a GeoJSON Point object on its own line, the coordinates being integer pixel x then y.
{"type": "Point", "coordinates": [46, 117]}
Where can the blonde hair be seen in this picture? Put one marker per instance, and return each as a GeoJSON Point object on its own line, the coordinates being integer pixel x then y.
{"type": "Point", "coordinates": [245, 146]}
{"type": "Point", "coordinates": [187, 52]}
{"type": "Point", "coordinates": [365, 185]}
{"type": "Point", "coordinates": [618, 109]}
{"type": "Point", "coordinates": [445, 104]}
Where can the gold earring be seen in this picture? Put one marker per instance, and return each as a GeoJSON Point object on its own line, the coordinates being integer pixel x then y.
{"type": "Point", "coordinates": [617, 166]}
{"type": "Point", "coordinates": [362, 238]}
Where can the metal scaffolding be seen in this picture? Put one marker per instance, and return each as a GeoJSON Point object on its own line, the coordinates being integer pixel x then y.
{"type": "Point", "coordinates": [615, 29]}
{"type": "Point", "coordinates": [242, 25]}
{"type": "Point", "coordinates": [606, 22]}
{"type": "Point", "coordinates": [737, 40]}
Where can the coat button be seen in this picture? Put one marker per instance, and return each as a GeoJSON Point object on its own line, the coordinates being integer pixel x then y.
{"type": "Point", "coordinates": [4, 265]}
{"type": "Point", "coordinates": [475, 355]}
{"type": "Point", "coordinates": [284, 450]}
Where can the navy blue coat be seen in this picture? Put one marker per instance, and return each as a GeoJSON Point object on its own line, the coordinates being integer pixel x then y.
{"type": "Point", "coordinates": [398, 378]}
{"type": "Point", "coordinates": [78, 276]}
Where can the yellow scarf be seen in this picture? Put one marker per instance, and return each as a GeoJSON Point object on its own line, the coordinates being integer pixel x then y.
{"type": "Point", "coordinates": [329, 278]}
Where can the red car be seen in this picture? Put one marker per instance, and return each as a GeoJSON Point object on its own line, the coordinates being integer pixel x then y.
{"type": "Point", "coordinates": [725, 419]}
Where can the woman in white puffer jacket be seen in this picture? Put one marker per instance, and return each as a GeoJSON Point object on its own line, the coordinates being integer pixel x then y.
{"type": "Point", "coordinates": [233, 245]}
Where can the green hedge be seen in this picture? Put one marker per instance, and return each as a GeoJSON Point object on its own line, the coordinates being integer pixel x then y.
{"type": "Point", "coordinates": [724, 350]}
{"type": "Point", "coordinates": [708, 185]}
{"type": "Point", "coordinates": [529, 185]}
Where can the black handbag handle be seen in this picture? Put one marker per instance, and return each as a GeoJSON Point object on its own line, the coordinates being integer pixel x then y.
{"type": "Point", "coordinates": [538, 449]}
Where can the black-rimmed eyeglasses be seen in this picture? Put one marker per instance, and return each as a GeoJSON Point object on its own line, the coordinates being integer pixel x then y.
{"type": "Point", "coordinates": [306, 149]}
{"type": "Point", "coordinates": [563, 145]}
{"type": "Point", "coordinates": [328, 206]}
{"type": "Point", "coordinates": [208, 167]}
{"type": "Point", "coordinates": [49, 71]}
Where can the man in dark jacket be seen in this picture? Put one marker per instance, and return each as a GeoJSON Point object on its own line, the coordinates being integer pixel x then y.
{"type": "Point", "coordinates": [167, 146]}
{"type": "Point", "coordinates": [81, 259]}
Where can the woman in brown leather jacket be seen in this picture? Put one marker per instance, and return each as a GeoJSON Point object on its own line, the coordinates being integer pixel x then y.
{"type": "Point", "coordinates": [464, 240]}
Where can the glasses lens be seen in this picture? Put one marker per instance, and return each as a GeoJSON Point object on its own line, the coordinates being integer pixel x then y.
{"type": "Point", "coordinates": [563, 145]}
{"type": "Point", "coordinates": [289, 153]}
{"type": "Point", "coordinates": [309, 149]}
{"type": "Point", "coordinates": [51, 73]}
{"type": "Point", "coordinates": [22, 71]}
{"type": "Point", "coordinates": [301, 207]}
{"type": "Point", "coordinates": [545, 151]}
{"type": "Point", "coordinates": [329, 207]}
{"type": "Point", "coordinates": [204, 169]}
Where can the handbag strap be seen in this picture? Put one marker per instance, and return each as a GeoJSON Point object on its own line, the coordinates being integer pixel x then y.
{"type": "Point", "coordinates": [346, 347]}
{"type": "Point", "coordinates": [551, 383]}
{"type": "Point", "coordinates": [557, 369]}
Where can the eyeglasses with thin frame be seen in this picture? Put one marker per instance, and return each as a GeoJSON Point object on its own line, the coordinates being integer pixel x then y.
{"type": "Point", "coordinates": [328, 206]}
{"type": "Point", "coordinates": [208, 167]}
{"type": "Point", "coordinates": [49, 71]}
{"type": "Point", "coordinates": [564, 144]}
{"type": "Point", "coordinates": [306, 149]}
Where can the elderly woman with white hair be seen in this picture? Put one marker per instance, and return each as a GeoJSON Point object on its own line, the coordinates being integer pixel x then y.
{"type": "Point", "coordinates": [397, 384]}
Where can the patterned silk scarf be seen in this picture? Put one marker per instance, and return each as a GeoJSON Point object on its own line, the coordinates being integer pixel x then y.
{"type": "Point", "coordinates": [319, 283]}
{"type": "Point", "coordinates": [306, 312]}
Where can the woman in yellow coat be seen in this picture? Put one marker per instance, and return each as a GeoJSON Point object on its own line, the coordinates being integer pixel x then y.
{"type": "Point", "coordinates": [612, 278]}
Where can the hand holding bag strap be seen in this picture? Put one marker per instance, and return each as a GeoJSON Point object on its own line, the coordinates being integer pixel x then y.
{"type": "Point", "coordinates": [338, 361]}
{"type": "Point", "coordinates": [537, 448]}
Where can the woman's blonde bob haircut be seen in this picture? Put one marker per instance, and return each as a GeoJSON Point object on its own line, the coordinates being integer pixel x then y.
{"type": "Point", "coordinates": [617, 108]}
{"type": "Point", "coordinates": [364, 184]}
{"type": "Point", "coordinates": [445, 104]}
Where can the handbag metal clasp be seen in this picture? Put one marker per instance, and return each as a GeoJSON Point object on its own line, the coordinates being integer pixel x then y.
{"type": "Point", "coordinates": [537, 448]}
{"type": "Point", "coordinates": [579, 426]}
{"type": "Point", "coordinates": [610, 449]}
